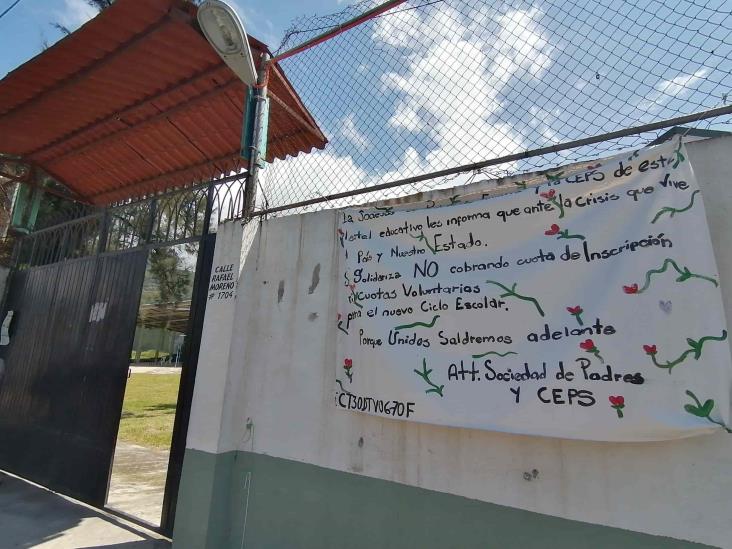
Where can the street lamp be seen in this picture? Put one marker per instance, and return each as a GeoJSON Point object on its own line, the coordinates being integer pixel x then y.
{"type": "Point", "coordinates": [225, 32]}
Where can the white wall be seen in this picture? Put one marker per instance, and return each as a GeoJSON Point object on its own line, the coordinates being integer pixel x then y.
{"type": "Point", "coordinates": [280, 376]}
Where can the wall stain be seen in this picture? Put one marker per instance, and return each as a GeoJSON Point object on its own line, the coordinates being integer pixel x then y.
{"type": "Point", "coordinates": [316, 279]}
{"type": "Point", "coordinates": [312, 316]}
{"type": "Point", "coordinates": [280, 291]}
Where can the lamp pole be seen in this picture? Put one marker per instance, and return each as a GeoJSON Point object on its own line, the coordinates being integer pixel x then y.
{"type": "Point", "coordinates": [257, 137]}
{"type": "Point", "coordinates": [224, 30]}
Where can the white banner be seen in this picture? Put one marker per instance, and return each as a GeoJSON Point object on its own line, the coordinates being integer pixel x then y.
{"type": "Point", "coordinates": [588, 307]}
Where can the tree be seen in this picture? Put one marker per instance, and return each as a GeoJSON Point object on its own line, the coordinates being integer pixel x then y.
{"type": "Point", "coordinates": [173, 281]}
{"type": "Point", "coordinates": [99, 5]}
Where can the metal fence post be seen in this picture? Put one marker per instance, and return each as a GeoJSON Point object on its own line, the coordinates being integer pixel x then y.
{"type": "Point", "coordinates": [250, 192]}
{"type": "Point", "coordinates": [209, 209]}
{"type": "Point", "coordinates": [152, 212]}
{"type": "Point", "coordinates": [103, 232]}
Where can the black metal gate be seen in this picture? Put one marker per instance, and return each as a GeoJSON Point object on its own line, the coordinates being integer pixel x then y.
{"type": "Point", "coordinates": [75, 294]}
{"type": "Point", "coordinates": [65, 370]}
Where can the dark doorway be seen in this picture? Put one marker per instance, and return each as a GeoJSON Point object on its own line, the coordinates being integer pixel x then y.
{"type": "Point", "coordinates": [159, 355]}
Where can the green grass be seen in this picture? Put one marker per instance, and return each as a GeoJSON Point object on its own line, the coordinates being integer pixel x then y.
{"type": "Point", "coordinates": [149, 355]}
{"type": "Point", "coordinates": [148, 410]}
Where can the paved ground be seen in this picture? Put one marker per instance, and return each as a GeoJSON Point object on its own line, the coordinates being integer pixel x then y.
{"type": "Point", "coordinates": [31, 516]}
{"type": "Point", "coordinates": [138, 481]}
{"type": "Point", "coordinates": [155, 369]}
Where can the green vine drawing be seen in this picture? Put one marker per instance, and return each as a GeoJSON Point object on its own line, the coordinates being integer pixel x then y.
{"type": "Point", "coordinates": [678, 155]}
{"type": "Point", "coordinates": [455, 199]}
{"type": "Point", "coordinates": [425, 374]}
{"type": "Point", "coordinates": [521, 185]}
{"type": "Point", "coordinates": [338, 381]}
{"type": "Point", "coordinates": [672, 211]}
{"type": "Point", "coordinates": [355, 297]}
{"type": "Point", "coordinates": [558, 205]}
{"type": "Point", "coordinates": [550, 196]}
{"type": "Point", "coordinates": [685, 274]}
{"type": "Point", "coordinates": [415, 324]}
{"type": "Point", "coordinates": [511, 292]}
{"type": "Point", "coordinates": [387, 209]}
{"type": "Point", "coordinates": [561, 233]}
{"type": "Point", "coordinates": [565, 234]}
{"type": "Point", "coordinates": [495, 353]}
{"type": "Point", "coordinates": [554, 177]}
{"type": "Point", "coordinates": [422, 238]}
{"type": "Point", "coordinates": [695, 348]}
{"type": "Point", "coordinates": [703, 410]}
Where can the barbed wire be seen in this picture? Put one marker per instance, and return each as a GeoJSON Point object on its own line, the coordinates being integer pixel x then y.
{"type": "Point", "coordinates": [434, 85]}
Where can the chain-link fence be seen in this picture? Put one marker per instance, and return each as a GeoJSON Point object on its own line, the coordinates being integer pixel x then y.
{"type": "Point", "coordinates": [428, 87]}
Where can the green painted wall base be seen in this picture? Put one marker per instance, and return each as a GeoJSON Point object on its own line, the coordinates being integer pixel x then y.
{"type": "Point", "coordinates": [292, 505]}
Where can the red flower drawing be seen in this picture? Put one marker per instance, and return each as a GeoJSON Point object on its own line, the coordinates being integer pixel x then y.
{"type": "Point", "coordinates": [347, 365]}
{"type": "Point", "coordinates": [353, 287]}
{"type": "Point", "coordinates": [632, 289]}
{"type": "Point", "coordinates": [587, 345]}
{"type": "Point", "coordinates": [340, 232]}
{"type": "Point", "coordinates": [549, 194]}
{"type": "Point", "coordinates": [554, 229]}
{"type": "Point", "coordinates": [650, 349]}
{"type": "Point", "coordinates": [617, 403]}
{"type": "Point", "coordinates": [576, 312]}
{"type": "Point", "coordinates": [339, 316]}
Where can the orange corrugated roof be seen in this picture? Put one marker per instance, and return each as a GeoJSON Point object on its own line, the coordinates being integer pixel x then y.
{"type": "Point", "coordinates": [135, 102]}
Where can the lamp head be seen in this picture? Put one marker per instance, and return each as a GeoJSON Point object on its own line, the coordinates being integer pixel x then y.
{"type": "Point", "coordinates": [225, 32]}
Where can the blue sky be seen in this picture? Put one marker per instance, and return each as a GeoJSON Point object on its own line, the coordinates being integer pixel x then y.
{"type": "Point", "coordinates": [462, 81]}
{"type": "Point", "coordinates": [25, 29]}
{"type": "Point", "coordinates": [439, 84]}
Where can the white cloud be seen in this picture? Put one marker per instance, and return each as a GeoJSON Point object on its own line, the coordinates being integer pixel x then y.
{"type": "Point", "coordinates": [450, 90]}
{"type": "Point", "coordinates": [351, 133]}
{"type": "Point", "coordinates": [398, 29]}
{"type": "Point", "coordinates": [666, 90]}
{"type": "Point", "coordinates": [416, 29]}
{"type": "Point", "coordinates": [459, 105]}
{"type": "Point", "coordinates": [406, 117]}
{"type": "Point", "coordinates": [318, 172]}
{"type": "Point", "coordinates": [75, 13]}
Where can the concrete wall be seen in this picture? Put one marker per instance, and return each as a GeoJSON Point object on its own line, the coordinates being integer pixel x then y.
{"type": "Point", "coordinates": [272, 463]}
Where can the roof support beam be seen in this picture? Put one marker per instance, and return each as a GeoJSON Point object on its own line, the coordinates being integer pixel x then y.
{"type": "Point", "coordinates": [291, 112]}
{"type": "Point", "coordinates": [125, 112]}
{"type": "Point", "coordinates": [186, 105]}
{"type": "Point", "coordinates": [292, 95]}
{"type": "Point", "coordinates": [85, 73]}
{"type": "Point", "coordinates": [130, 190]}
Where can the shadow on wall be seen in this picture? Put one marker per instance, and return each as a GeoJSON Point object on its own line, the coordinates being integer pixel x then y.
{"type": "Point", "coordinates": [31, 515]}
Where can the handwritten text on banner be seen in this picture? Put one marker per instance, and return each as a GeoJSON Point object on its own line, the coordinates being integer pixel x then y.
{"type": "Point", "coordinates": [586, 308]}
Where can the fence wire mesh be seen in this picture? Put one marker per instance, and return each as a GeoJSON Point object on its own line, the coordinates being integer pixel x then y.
{"type": "Point", "coordinates": [433, 85]}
